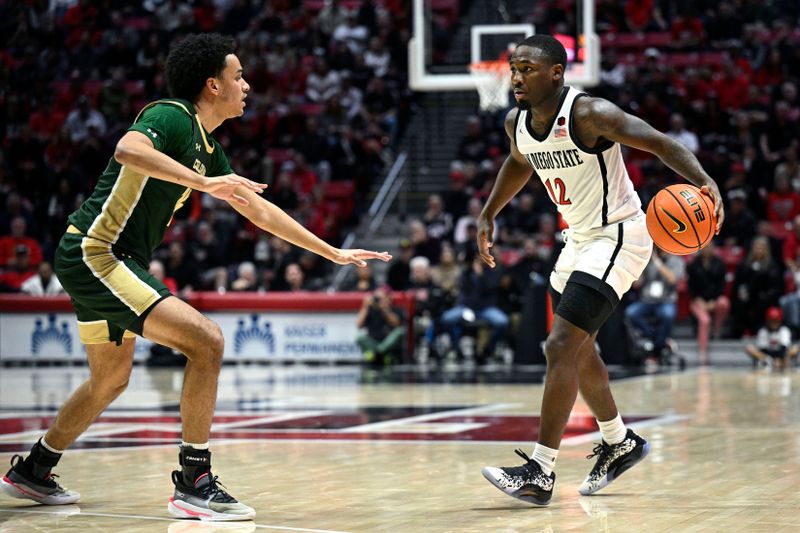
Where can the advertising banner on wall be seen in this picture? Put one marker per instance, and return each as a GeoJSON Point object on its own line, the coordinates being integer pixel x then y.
{"type": "Point", "coordinates": [249, 336]}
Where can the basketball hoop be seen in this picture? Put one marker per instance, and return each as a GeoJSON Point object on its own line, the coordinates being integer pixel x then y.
{"type": "Point", "coordinates": [493, 81]}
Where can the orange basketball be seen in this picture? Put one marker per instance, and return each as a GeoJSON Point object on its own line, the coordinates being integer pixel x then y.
{"type": "Point", "coordinates": [681, 219]}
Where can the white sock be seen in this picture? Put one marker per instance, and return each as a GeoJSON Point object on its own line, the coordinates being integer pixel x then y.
{"type": "Point", "coordinates": [546, 457]}
{"type": "Point", "coordinates": [613, 430]}
{"type": "Point", "coordinates": [48, 447]}
{"type": "Point", "coordinates": [195, 446]}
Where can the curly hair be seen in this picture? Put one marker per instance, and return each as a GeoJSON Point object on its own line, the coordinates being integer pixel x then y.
{"type": "Point", "coordinates": [551, 48]}
{"type": "Point", "coordinates": [195, 59]}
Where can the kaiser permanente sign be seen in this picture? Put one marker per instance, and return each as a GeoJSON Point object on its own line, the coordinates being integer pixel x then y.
{"type": "Point", "coordinates": [257, 327]}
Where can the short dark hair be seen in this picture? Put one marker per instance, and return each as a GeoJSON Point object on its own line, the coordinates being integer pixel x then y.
{"type": "Point", "coordinates": [551, 48]}
{"type": "Point", "coordinates": [193, 60]}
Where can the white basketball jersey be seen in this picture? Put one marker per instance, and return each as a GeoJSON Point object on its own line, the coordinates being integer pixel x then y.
{"type": "Point", "coordinates": [590, 186]}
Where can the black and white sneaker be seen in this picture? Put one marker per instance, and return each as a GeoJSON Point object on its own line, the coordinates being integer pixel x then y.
{"type": "Point", "coordinates": [206, 500]}
{"type": "Point", "coordinates": [527, 482]}
{"type": "Point", "coordinates": [19, 483]}
{"type": "Point", "coordinates": [613, 460]}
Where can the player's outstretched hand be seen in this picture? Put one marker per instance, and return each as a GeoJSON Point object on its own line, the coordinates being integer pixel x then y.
{"type": "Point", "coordinates": [713, 191]}
{"type": "Point", "coordinates": [224, 187]}
{"type": "Point", "coordinates": [485, 232]}
{"type": "Point", "coordinates": [358, 257]}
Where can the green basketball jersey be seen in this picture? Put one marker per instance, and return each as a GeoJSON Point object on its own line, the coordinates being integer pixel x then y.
{"type": "Point", "coordinates": [132, 211]}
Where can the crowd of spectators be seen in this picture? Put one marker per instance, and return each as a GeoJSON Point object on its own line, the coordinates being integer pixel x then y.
{"type": "Point", "coordinates": [329, 100]}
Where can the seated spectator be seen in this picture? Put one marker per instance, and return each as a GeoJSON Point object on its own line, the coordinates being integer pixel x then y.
{"type": "Point", "coordinates": [157, 271]}
{"type": "Point", "coordinates": [323, 82]}
{"type": "Point", "coordinates": [352, 33]}
{"type": "Point", "coordinates": [247, 277]}
{"type": "Point", "coordinates": [382, 328]}
{"type": "Point", "coordinates": [331, 16]}
{"type": "Point", "coordinates": [180, 268]}
{"type": "Point", "coordinates": [679, 132]}
{"type": "Point", "coordinates": [740, 222]}
{"type": "Point", "coordinates": [473, 146]}
{"type": "Point", "coordinates": [44, 283]}
{"type": "Point", "coordinates": [377, 57]}
{"type": "Point", "coordinates": [83, 117]}
{"type": "Point", "coordinates": [522, 221]}
{"type": "Point", "coordinates": [790, 168]}
{"type": "Point", "coordinates": [758, 285]}
{"type": "Point", "coordinates": [380, 107]}
{"type": "Point", "coordinates": [706, 281]}
{"type": "Point", "coordinates": [398, 276]}
{"type": "Point", "coordinates": [430, 301]}
{"type": "Point", "coordinates": [362, 281]}
{"type": "Point", "coordinates": [17, 237]}
{"type": "Point", "coordinates": [533, 261]}
{"type": "Point", "coordinates": [209, 255]}
{"type": "Point", "coordinates": [471, 217]}
{"type": "Point", "coordinates": [422, 243]}
{"type": "Point", "coordinates": [773, 343]}
{"type": "Point", "coordinates": [448, 272]}
{"type": "Point", "coordinates": [456, 199]}
{"type": "Point", "coordinates": [295, 278]}
{"type": "Point", "coordinates": [654, 312]}
{"type": "Point", "coordinates": [477, 299]}
{"type": "Point", "coordinates": [438, 222]}
{"type": "Point", "coordinates": [17, 271]}
{"type": "Point", "coordinates": [783, 203]}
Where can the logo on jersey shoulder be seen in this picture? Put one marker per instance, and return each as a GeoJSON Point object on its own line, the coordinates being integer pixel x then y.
{"type": "Point", "coordinates": [199, 167]}
{"type": "Point", "coordinates": [197, 147]}
{"type": "Point", "coordinates": [151, 132]}
{"type": "Point", "coordinates": [681, 227]}
{"type": "Point", "coordinates": [561, 130]}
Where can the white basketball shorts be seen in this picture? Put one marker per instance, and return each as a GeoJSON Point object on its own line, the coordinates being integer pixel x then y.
{"type": "Point", "coordinates": [616, 255]}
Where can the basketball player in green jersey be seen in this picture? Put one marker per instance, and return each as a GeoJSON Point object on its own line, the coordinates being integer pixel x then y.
{"type": "Point", "coordinates": [102, 262]}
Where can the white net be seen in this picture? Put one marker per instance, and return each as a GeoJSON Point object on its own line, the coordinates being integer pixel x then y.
{"type": "Point", "coordinates": [493, 81]}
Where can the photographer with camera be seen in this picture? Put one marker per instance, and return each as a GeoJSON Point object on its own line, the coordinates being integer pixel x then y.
{"type": "Point", "coordinates": [381, 340]}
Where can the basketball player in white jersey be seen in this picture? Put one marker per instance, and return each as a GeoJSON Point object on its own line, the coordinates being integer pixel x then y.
{"type": "Point", "coordinates": [571, 141]}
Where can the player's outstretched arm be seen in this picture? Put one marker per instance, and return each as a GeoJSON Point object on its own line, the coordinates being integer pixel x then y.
{"type": "Point", "coordinates": [273, 219]}
{"type": "Point", "coordinates": [137, 152]}
{"type": "Point", "coordinates": [596, 118]}
{"type": "Point", "coordinates": [511, 178]}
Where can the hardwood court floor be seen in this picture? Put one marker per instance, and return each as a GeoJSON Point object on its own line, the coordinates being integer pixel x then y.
{"type": "Point", "coordinates": [324, 449]}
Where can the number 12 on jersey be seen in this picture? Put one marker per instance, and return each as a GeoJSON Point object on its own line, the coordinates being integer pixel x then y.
{"type": "Point", "coordinates": [561, 199]}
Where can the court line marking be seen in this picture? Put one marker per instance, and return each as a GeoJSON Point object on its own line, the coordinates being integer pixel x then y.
{"type": "Point", "coordinates": [657, 421]}
{"type": "Point", "coordinates": [160, 519]}
{"type": "Point", "coordinates": [366, 428]}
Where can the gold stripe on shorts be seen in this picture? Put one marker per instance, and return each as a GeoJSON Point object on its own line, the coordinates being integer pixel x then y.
{"type": "Point", "coordinates": [117, 277]}
{"type": "Point", "coordinates": [96, 332]}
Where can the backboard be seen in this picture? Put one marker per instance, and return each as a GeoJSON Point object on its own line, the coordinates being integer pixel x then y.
{"type": "Point", "coordinates": [448, 36]}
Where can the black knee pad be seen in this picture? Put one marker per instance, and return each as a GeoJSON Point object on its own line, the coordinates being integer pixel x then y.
{"type": "Point", "coordinates": [583, 304]}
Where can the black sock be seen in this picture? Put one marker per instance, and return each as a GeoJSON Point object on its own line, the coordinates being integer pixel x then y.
{"type": "Point", "coordinates": [194, 463]}
{"type": "Point", "coordinates": [41, 460]}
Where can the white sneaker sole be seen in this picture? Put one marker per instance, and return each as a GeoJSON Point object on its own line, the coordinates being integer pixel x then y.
{"type": "Point", "coordinates": [182, 509]}
{"type": "Point", "coordinates": [23, 492]}
{"type": "Point", "coordinates": [492, 475]}
{"type": "Point", "coordinates": [587, 490]}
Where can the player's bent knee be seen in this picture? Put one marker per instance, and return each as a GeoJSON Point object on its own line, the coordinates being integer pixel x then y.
{"type": "Point", "coordinates": [109, 388]}
{"type": "Point", "coordinates": [209, 344]}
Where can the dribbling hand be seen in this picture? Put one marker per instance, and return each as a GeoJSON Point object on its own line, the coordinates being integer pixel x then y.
{"type": "Point", "coordinates": [719, 211]}
{"type": "Point", "coordinates": [485, 232]}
